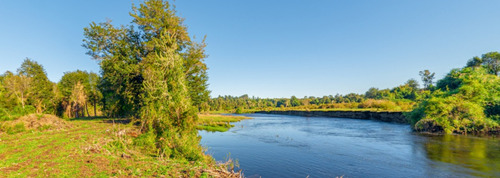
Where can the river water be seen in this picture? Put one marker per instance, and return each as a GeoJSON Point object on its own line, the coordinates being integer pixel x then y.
{"type": "Point", "coordinates": [294, 146]}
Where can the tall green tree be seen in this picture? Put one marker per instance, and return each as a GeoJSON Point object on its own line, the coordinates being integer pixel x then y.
{"type": "Point", "coordinates": [427, 78]}
{"type": "Point", "coordinates": [153, 71]}
{"type": "Point", "coordinates": [294, 101]}
{"type": "Point", "coordinates": [167, 106]}
{"type": "Point", "coordinates": [372, 93]}
{"type": "Point", "coordinates": [120, 51]}
{"type": "Point", "coordinates": [475, 62]}
{"type": "Point", "coordinates": [88, 80]}
{"type": "Point", "coordinates": [41, 88]}
{"type": "Point", "coordinates": [17, 86]}
{"type": "Point", "coordinates": [196, 74]}
{"type": "Point", "coordinates": [412, 83]}
{"type": "Point", "coordinates": [491, 61]}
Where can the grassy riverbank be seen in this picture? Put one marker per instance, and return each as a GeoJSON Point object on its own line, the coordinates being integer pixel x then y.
{"type": "Point", "coordinates": [219, 123]}
{"type": "Point", "coordinates": [90, 148]}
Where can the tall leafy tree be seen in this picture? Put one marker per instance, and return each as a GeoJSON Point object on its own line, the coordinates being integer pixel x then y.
{"type": "Point", "coordinates": [427, 78]}
{"type": "Point", "coordinates": [412, 83]}
{"type": "Point", "coordinates": [18, 86]}
{"type": "Point", "coordinates": [196, 74]}
{"type": "Point", "coordinates": [372, 93]}
{"type": "Point", "coordinates": [167, 107]}
{"type": "Point", "coordinates": [475, 62]}
{"type": "Point", "coordinates": [153, 71]}
{"type": "Point", "coordinates": [119, 52]}
{"type": "Point", "coordinates": [88, 80]}
{"type": "Point", "coordinates": [41, 88]}
{"type": "Point", "coordinates": [491, 61]}
{"type": "Point", "coordinates": [294, 101]}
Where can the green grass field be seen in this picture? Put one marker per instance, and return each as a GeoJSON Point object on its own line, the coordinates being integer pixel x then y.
{"type": "Point", "coordinates": [90, 148]}
{"type": "Point", "coordinates": [217, 123]}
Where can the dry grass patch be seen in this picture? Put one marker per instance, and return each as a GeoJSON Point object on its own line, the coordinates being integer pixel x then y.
{"type": "Point", "coordinates": [38, 122]}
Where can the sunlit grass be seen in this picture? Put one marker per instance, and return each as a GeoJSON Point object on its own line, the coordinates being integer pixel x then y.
{"type": "Point", "coordinates": [91, 148]}
{"type": "Point", "coordinates": [219, 123]}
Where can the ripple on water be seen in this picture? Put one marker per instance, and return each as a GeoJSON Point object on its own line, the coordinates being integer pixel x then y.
{"type": "Point", "coordinates": [292, 146]}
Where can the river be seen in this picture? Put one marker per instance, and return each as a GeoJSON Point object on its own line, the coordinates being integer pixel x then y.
{"type": "Point", "coordinates": [293, 146]}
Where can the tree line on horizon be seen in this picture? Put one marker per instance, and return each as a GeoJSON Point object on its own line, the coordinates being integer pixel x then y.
{"type": "Point", "coordinates": [400, 98]}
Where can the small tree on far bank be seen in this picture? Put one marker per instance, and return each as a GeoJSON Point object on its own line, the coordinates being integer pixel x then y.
{"type": "Point", "coordinates": [427, 78]}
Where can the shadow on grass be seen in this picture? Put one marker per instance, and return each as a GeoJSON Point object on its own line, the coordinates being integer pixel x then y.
{"type": "Point", "coordinates": [103, 119]}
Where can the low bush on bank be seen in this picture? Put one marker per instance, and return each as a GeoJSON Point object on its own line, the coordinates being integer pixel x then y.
{"type": "Point", "coordinates": [466, 101]}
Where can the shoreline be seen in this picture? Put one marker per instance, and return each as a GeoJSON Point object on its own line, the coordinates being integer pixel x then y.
{"type": "Point", "coordinates": [384, 116]}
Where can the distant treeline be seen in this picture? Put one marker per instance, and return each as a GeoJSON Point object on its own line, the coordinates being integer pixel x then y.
{"type": "Point", "coordinates": [28, 90]}
{"type": "Point", "coordinates": [402, 97]}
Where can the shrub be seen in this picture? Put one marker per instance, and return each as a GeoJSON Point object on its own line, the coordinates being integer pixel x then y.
{"type": "Point", "coordinates": [470, 107]}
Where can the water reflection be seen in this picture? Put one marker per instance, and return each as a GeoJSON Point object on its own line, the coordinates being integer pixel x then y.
{"type": "Point", "coordinates": [481, 155]}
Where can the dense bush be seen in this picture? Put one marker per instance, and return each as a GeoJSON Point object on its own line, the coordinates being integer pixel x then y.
{"type": "Point", "coordinates": [466, 102]}
{"type": "Point", "coordinates": [16, 112]}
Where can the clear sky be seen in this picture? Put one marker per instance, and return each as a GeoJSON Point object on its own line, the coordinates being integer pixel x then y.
{"type": "Point", "coordinates": [275, 48]}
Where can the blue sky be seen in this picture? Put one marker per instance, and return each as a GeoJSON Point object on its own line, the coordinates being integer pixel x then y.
{"type": "Point", "coordinates": [275, 48]}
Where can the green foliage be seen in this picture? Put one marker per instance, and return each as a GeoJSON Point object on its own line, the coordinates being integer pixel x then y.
{"type": "Point", "coordinates": [196, 75]}
{"type": "Point", "coordinates": [41, 89]}
{"type": "Point", "coordinates": [147, 142]}
{"type": "Point", "coordinates": [118, 50]}
{"type": "Point", "coordinates": [294, 101]}
{"type": "Point", "coordinates": [379, 104]}
{"type": "Point", "coordinates": [90, 82]}
{"type": "Point", "coordinates": [121, 50]}
{"type": "Point", "coordinates": [153, 72]}
{"type": "Point", "coordinates": [452, 114]}
{"type": "Point", "coordinates": [475, 62]}
{"type": "Point", "coordinates": [466, 102]}
{"type": "Point", "coordinates": [26, 92]}
{"type": "Point", "coordinates": [427, 78]}
{"type": "Point", "coordinates": [385, 100]}
{"type": "Point", "coordinates": [239, 110]}
{"type": "Point", "coordinates": [491, 62]}
{"type": "Point", "coordinates": [450, 82]}
{"type": "Point", "coordinates": [217, 123]}
{"type": "Point", "coordinates": [372, 93]}
{"type": "Point", "coordinates": [16, 112]}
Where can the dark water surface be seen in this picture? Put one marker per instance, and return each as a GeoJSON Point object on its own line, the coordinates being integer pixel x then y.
{"type": "Point", "coordinates": [294, 146]}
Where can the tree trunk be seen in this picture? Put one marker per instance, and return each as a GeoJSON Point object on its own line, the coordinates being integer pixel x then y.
{"type": "Point", "coordinates": [95, 110]}
{"type": "Point", "coordinates": [22, 100]}
{"type": "Point", "coordinates": [76, 111]}
{"type": "Point", "coordinates": [87, 109]}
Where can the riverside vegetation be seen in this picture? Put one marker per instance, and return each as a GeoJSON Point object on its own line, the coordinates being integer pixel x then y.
{"type": "Point", "coordinates": [219, 123]}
